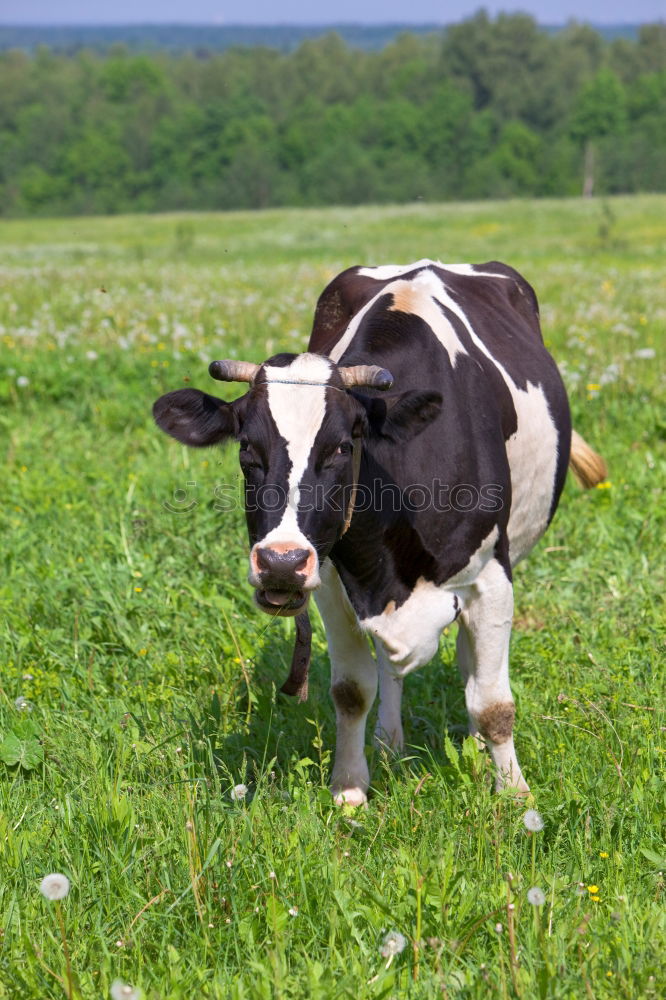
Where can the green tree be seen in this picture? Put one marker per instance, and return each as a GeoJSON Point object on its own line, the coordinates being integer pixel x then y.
{"type": "Point", "coordinates": [599, 111]}
{"type": "Point", "coordinates": [516, 159]}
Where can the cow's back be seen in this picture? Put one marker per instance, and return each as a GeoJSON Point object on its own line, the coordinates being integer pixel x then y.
{"type": "Point", "coordinates": [472, 333]}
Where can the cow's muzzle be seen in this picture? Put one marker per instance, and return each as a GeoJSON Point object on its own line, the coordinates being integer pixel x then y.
{"type": "Point", "coordinates": [282, 603]}
{"type": "Point", "coordinates": [283, 577]}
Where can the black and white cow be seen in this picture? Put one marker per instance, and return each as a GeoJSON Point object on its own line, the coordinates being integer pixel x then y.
{"type": "Point", "coordinates": [398, 470]}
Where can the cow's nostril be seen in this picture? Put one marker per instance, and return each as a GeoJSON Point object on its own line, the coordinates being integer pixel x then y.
{"type": "Point", "coordinates": [262, 559]}
{"type": "Point", "coordinates": [293, 561]}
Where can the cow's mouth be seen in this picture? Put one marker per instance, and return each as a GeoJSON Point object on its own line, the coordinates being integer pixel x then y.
{"type": "Point", "coordinates": [281, 602]}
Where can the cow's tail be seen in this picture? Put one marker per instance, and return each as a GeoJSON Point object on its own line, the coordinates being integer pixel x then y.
{"type": "Point", "coordinates": [587, 466]}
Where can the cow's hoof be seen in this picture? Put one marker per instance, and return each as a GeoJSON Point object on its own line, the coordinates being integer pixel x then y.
{"type": "Point", "coordinates": [391, 741]}
{"type": "Point", "coordinates": [350, 797]}
{"type": "Point", "coordinates": [519, 790]}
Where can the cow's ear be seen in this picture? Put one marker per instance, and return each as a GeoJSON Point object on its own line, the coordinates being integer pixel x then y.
{"type": "Point", "coordinates": [195, 418]}
{"type": "Point", "coordinates": [401, 418]}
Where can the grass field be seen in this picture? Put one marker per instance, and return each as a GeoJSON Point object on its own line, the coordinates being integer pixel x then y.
{"type": "Point", "coordinates": [138, 683]}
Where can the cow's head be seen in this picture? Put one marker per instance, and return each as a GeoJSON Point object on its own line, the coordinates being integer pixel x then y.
{"type": "Point", "coordinates": [300, 431]}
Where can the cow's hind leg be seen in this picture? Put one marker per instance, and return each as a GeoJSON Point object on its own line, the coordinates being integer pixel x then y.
{"type": "Point", "coordinates": [353, 687]}
{"type": "Point", "coordinates": [483, 659]}
{"type": "Point", "coordinates": [388, 731]}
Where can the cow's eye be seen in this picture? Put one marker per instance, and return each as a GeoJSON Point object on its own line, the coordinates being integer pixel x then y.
{"type": "Point", "coordinates": [333, 459]}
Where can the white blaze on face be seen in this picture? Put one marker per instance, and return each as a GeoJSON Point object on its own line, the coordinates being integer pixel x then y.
{"type": "Point", "coordinates": [297, 407]}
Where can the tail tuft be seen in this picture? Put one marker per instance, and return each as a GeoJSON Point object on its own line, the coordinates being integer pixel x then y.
{"type": "Point", "coordinates": [587, 466]}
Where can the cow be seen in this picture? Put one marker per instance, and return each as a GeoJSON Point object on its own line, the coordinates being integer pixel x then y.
{"type": "Point", "coordinates": [397, 471]}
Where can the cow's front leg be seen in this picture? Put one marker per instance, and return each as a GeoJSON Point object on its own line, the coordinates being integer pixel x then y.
{"type": "Point", "coordinates": [483, 659]}
{"type": "Point", "coordinates": [353, 687]}
{"type": "Point", "coordinates": [388, 731]}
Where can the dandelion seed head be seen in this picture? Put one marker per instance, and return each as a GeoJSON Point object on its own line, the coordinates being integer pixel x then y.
{"type": "Point", "coordinates": [54, 887]}
{"type": "Point", "coordinates": [536, 896]}
{"type": "Point", "coordinates": [123, 991]}
{"type": "Point", "coordinates": [238, 792]}
{"type": "Point", "coordinates": [22, 381]}
{"type": "Point", "coordinates": [533, 821]}
{"type": "Point", "coordinates": [498, 928]}
{"type": "Point", "coordinates": [393, 943]}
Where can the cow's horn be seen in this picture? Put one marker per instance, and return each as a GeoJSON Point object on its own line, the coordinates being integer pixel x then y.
{"type": "Point", "coordinates": [370, 376]}
{"type": "Point", "coordinates": [233, 371]}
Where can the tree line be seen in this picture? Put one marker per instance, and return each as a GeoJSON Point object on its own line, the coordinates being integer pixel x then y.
{"type": "Point", "coordinates": [204, 39]}
{"type": "Point", "coordinates": [490, 108]}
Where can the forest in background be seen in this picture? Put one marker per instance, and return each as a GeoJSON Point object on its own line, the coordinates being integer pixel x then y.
{"type": "Point", "coordinates": [488, 108]}
{"type": "Point", "coordinates": [206, 38]}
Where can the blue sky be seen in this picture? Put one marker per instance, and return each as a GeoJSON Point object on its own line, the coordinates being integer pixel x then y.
{"type": "Point", "coordinates": [311, 12]}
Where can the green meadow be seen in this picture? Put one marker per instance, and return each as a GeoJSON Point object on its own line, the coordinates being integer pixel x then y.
{"type": "Point", "coordinates": [138, 683]}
